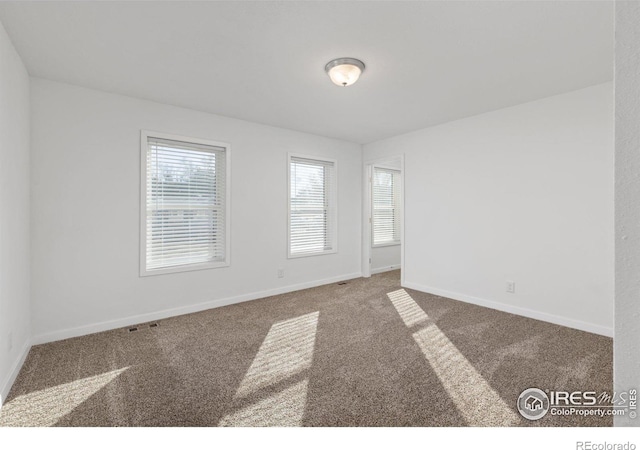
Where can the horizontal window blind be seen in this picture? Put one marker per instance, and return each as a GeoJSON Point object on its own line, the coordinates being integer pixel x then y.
{"type": "Point", "coordinates": [311, 206]}
{"type": "Point", "coordinates": [386, 203]}
{"type": "Point", "coordinates": [185, 204]}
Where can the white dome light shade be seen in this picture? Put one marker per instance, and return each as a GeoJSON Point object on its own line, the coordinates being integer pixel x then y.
{"type": "Point", "coordinates": [344, 71]}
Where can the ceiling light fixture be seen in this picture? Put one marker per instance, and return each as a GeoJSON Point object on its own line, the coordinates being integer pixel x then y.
{"type": "Point", "coordinates": [344, 71]}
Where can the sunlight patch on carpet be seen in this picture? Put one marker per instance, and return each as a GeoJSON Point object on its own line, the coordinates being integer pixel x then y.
{"type": "Point", "coordinates": [45, 407]}
{"type": "Point", "coordinates": [286, 351]}
{"type": "Point", "coordinates": [282, 409]}
{"type": "Point", "coordinates": [475, 399]}
{"type": "Point", "coordinates": [410, 313]}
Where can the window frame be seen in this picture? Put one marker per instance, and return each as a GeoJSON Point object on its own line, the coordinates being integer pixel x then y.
{"type": "Point", "coordinates": [333, 199]}
{"type": "Point", "coordinates": [144, 145]}
{"type": "Point", "coordinates": [397, 209]}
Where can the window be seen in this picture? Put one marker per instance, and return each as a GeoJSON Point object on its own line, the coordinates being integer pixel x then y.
{"type": "Point", "coordinates": [184, 223]}
{"type": "Point", "coordinates": [312, 206]}
{"type": "Point", "coordinates": [386, 206]}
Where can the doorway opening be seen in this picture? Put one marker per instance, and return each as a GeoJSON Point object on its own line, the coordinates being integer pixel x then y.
{"type": "Point", "coordinates": [383, 216]}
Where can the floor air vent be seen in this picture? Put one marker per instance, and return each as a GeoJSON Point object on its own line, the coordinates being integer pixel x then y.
{"type": "Point", "coordinates": [142, 327]}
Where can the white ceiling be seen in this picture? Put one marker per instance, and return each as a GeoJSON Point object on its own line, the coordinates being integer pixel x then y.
{"type": "Point", "coordinates": [427, 62]}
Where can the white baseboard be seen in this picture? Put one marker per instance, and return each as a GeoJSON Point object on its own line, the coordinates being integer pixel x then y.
{"type": "Point", "coordinates": [5, 387]}
{"type": "Point", "coordinates": [141, 318]}
{"type": "Point", "coordinates": [525, 312]}
{"type": "Point", "coordinates": [384, 269]}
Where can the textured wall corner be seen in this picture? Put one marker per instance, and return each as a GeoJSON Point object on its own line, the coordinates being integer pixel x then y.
{"type": "Point", "coordinates": [627, 201]}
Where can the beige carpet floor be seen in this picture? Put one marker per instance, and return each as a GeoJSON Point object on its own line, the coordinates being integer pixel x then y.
{"type": "Point", "coordinates": [366, 353]}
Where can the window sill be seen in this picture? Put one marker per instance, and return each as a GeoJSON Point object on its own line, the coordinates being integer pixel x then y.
{"type": "Point", "coordinates": [390, 244]}
{"type": "Point", "coordinates": [185, 268]}
{"type": "Point", "coordinates": [305, 255]}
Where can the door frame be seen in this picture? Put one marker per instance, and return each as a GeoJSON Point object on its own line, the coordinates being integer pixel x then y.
{"type": "Point", "coordinates": [367, 210]}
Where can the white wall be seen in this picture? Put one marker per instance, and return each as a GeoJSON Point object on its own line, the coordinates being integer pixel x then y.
{"type": "Point", "coordinates": [627, 319]}
{"type": "Point", "coordinates": [522, 194]}
{"type": "Point", "coordinates": [85, 234]}
{"type": "Point", "coordinates": [14, 213]}
{"type": "Point", "coordinates": [385, 258]}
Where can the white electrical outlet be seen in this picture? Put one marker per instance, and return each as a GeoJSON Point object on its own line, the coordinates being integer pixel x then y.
{"type": "Point", "coordinates": [10, 341]}
{"type": "Point", "coordinates": [280, 273]}
{"type": "Point", "coordinates": [511, 287]}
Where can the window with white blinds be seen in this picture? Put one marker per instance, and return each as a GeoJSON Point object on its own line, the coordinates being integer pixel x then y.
{"type": "Point", "coordinates": [184, 224]}
{"type": "Point", "coordinates": [386, 206]}
{"type": "Point", "coordinates": [312, 206]}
